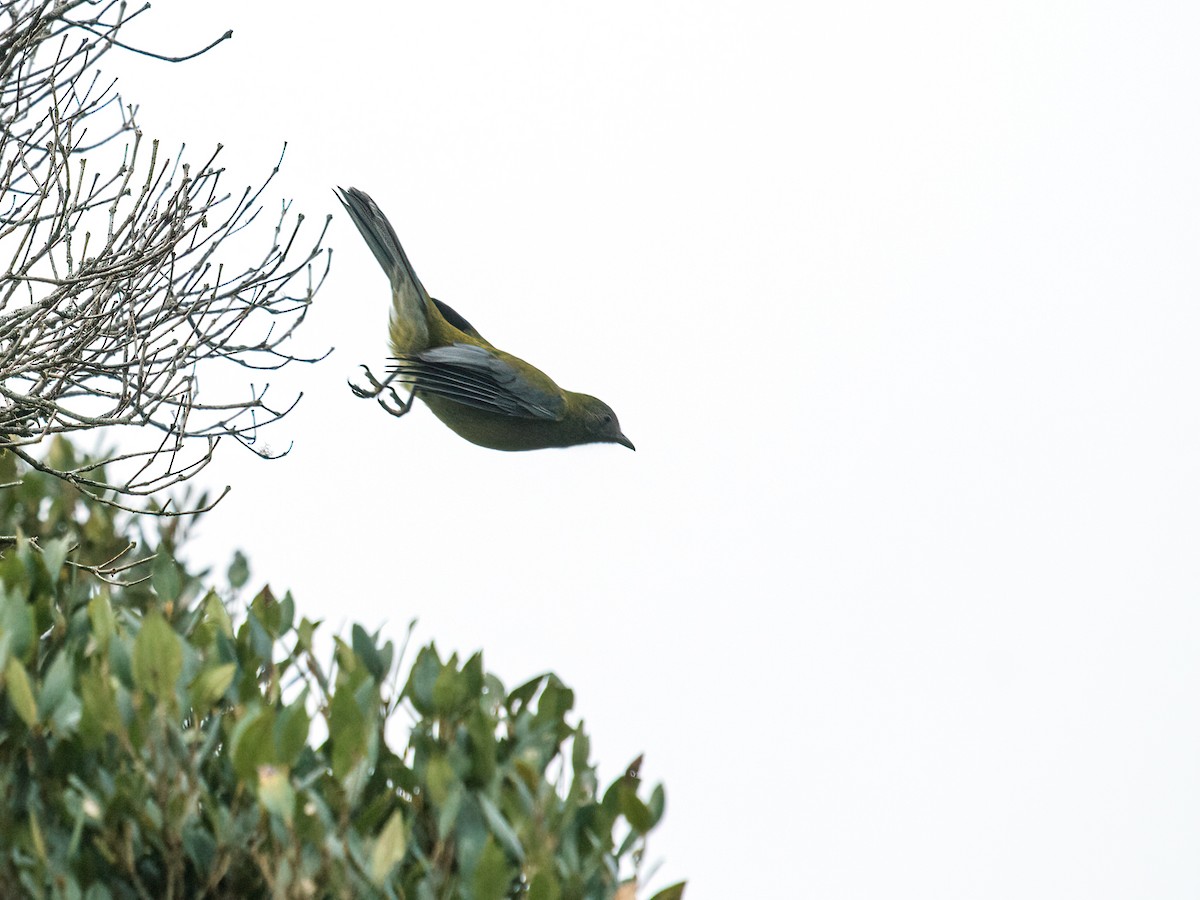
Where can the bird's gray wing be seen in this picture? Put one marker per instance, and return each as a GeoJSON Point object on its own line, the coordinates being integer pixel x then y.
{"type": "Point", "coordinates": [479, 377]}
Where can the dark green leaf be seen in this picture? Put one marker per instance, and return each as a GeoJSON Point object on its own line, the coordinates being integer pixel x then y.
{"type": "Point", "coordinates": [580, 750]}
{"type": "Point", "coordinates": [56, 685]}
{"type": "Point", "coordinates": [421, 680]}
{"type": "Point", "coordinates": [472, 672]}
{"type": "Point", "coordinates": [157, 657]}
{"type": "Point", "coordinates": [449, 691]}
{"type": "Point", "coordinates": [239, 570]}
{"type": "Point", "coordinates": [556, 700]}
{"type": "Point", "coordinates": [210, 686]}
{"type": "Point", "coordinates": [165, 577]}
{"type": "Point", "coordinates": [522, 695]}
{"type": "Point", "coordinates": [252, 743]}
{"type": "Point", "coordinates": [200, 847]}
{"type": "Point", "coordinates": [364, 649]}
{"type": "Point", "coordinates": [482, 731]}
{"type": "Point", "coordinates": [291, 731]}
{"type": "Point", "coordinates": [657, 804]}
{"type": "Point", "coordinates": [633, 809]}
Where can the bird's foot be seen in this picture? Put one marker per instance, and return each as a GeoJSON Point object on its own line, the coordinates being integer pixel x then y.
{"type": "Point", "coordinates": [394, 406]}
{"type": "Point", "coordinates": [368, 393]}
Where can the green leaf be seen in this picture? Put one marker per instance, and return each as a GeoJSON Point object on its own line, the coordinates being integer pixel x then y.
{"type": "Point", "coordinates": [522, 695]}
{"type": "Point", "coordinates": [275, 792]}
{"type": "Point", "coordinates": [56, 685]}
{"type": "Point", "coordinates": [500, 828]}
{"type": "Point", "coordinates": [67, 714]}
{"type": "Point", "coordinates": [386, 654]}
{"type": "Point", "coordinates": [581, 748]}
{"type": "Point", "coordinates": [472, 673]}
{"type": "Point", "coordinates": [264, 609]}
{"type": "Point", "coordinates": [287, 613]}
{"type": "Point", "coordinates": [200, 847]}
{"type": "Point", "coordinates": [657, 804]}
{"type": "Point", "coordinates": [16, 620]}
{"type": "Point", "coordinates": [364, 649]}
{"type": "Point", "coordinates": [633, 809]}
{"type": "Point", "coordinates": [210, 686]}
{"type": "Point", "coordinates": [54, 554]}
{"type": "Point", "coordinates": [425, 672]}
{"type": "Point", "coordinates": [120, 653]}
{"type": "Point", "coordinates": [449, 691]}
{"type": "Point", "coordinates": [216, 616]}
{"type": "Point", "coordinates": [544, 886]}
{"type": "Point", "coordinates": [493, 874]}
{"type": "Point", "coordinates": [304, 634]}
{"type": "Point", "coordinates": [439, 777]}
{"type": "Point", "coordinates": [556, 700]}
{"type": "Point", "coordinates": [100, 713]}
{"type": "Point", "coordinates": [252, 744]}
{"type": "Point", "coordinates": [20, 694]}
{"type": "Point", "coordinates": [157, 657]}
{"type": "Point", "coordinates": [389, 850]}
{"type": "Point", "coordinates": [104, 623]}
{"type": "Point", "coordinates": [35, 832]}
{"type": "Point", "coordinates": [291, 731]}
{"type": "Point", "coordinates": [166, 577]}
{"type": "Point", "coordinates": [481, 728]}
{"type": "Point", "coordinates": [347, 730]}
{"type": "Point", "coordinates": [674, 892]}
{"type": "Point", "coordinates": [239, 570]}
{"type": "Point", "coordinates": [449, 822]}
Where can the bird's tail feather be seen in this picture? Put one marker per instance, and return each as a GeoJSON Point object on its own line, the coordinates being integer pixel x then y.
{"type": "Point", "coordinates": [409, 328]}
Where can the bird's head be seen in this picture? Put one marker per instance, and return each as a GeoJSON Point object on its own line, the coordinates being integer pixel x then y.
{"type": "Point", "coordinates": [600, 422]}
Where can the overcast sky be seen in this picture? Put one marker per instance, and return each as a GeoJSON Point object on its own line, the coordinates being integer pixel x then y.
{"type": "Point", "coordinates": [900, 593]}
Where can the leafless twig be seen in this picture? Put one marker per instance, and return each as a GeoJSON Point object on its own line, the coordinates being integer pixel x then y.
{"type": "Point", "coordinates": [113, 285]}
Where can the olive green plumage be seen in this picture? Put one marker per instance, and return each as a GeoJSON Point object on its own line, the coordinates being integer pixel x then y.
{"type": "Point", "coordinates": [489, 397]}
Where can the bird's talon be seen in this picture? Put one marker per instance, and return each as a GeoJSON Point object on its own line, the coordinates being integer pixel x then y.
{"type": "Point", "coordinates": [367, 393]}
{"type": "Point", "coordinates": [401, 406]}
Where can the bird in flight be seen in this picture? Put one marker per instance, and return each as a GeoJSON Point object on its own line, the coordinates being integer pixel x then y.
{"type": "Point", "coordinates": [489, 397]}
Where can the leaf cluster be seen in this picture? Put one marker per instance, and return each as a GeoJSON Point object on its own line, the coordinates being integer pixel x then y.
{"type": "Point", "coordinates": [159, 738]}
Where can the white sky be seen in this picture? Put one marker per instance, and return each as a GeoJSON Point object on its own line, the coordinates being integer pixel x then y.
{"type": "Point", "coordinates": [900, 303]}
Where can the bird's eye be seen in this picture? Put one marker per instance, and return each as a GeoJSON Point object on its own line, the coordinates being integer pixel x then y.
{"type": "Point", "coordinates": [608, 420]}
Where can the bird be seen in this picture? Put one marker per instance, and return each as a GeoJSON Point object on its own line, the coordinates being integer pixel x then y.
{"type": "Point", "coordinates": [483, 394]}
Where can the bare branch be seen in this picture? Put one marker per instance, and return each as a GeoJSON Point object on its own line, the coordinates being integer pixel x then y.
{"type": "Point", "coordinates": [115, 277]}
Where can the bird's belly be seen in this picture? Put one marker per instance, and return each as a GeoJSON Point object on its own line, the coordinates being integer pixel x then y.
{"type": "Point", "coordinates": [494, 430]}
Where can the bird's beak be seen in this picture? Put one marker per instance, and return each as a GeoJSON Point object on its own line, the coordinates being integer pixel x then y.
{"type": "Point", "coordinates": [625, 442]}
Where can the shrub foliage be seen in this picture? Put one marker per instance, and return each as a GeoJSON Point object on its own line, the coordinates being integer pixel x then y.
{"type": "Point", "coordinates": [160, 739]}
